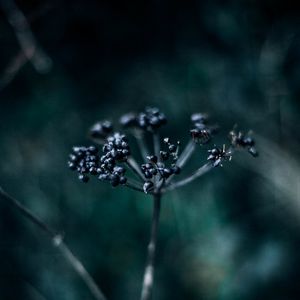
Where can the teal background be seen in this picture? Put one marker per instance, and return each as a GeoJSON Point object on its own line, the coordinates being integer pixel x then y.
{"type": "Point", "coordinates": [234, 233]}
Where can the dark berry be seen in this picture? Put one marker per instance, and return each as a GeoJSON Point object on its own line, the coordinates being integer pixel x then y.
{"type": "Point", "coordinates": [147, 186]}
{"type": "Point", "coordinates": [101, 130]}
{"type": "Point", "coordinates": [83, 178]}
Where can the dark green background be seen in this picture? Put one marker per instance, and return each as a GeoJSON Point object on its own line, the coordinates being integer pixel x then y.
{"type": "Point", "coordinates": [233, 234]}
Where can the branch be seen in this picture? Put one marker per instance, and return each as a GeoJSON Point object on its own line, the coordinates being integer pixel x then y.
{"type": "Point", "coordinates": [201, 171]}
{"type": "Point", "coordinates": [142, 145]}
{"type": "Point", "coordinates": [186, 153]}
{"type": "Point", "coordinates": [156, 144]}
{"type": "Point", "coordinates": [57, 241]}
{"type": "Point", "coordinates": [30, 47]}
{"type": "Point", "coordinates": [149, 270]}
{"type": "Point", "coordinates": [132, 164]}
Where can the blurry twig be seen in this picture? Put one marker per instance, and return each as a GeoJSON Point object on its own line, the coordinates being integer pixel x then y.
{"type": "Point", "coordinates": [20, 59]}
{"type": "Point", "coordinates": [14, 66]}
{"type": "Point", "coordinates": [57, 241]}
{"type": "Point", "coordinates": [30, 47]}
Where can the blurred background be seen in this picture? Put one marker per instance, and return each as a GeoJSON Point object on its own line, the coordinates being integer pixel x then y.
{"type": "Point", "coordinates": [234, 233]}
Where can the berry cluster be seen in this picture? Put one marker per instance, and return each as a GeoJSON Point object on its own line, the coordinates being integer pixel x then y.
{"type": "Point", "coordinates": [149, 120]}
{"type": "Point", "coordinates": [116, 148]}
{"type": "Point", "coordinates": [115, 174]}
{"type": "Point", "coordinates": [157, 166]}
{"type": "Point", "coordinates": [202, 132]}
{"type": "Point", "coordinates": [158, 171]}
{"type": "Point", "coordinates": [101, 130]}
{"type": "Point", "coordinates": [85, 160]}
{"type": "Point", "coordinates": [217, 155]}
{"type": "Point", "coordinates": [239, 140]}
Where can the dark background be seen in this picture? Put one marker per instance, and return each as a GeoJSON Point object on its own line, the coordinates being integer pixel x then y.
{"type": "Point", "coordinates": [233, 234]}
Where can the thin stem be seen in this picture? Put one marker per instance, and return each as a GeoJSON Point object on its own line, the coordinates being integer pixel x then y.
{"type": "Point", "coordinates": [186, 153]}
{"type": "Point", "coordinates": [149, 270]}
{"type": "Point", "coordinates": [183, 158]}
{"type": "Point", "coordinates": [132, 164]}
{"type": "Point", "coordinates": [156, 143]}
{"type": "Point", "coordinates": [57, 241]}
{"type": "Point", "coordinates": [201, 171]}
{"type": "Point", "coordinates": [142, 145]}
{"type": "Point", "coordinates": [134, 187]}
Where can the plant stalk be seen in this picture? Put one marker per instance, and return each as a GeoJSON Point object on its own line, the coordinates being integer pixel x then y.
{"type": "Point", "coordinates": [148, 281]}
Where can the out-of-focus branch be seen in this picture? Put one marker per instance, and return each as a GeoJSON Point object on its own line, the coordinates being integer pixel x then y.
{"type": "Point", "coordinates": [14, 66]}
{"type": "Point", "coordinates": [30, 47]}
{"type": "Point", "coordinates": [57, 241]}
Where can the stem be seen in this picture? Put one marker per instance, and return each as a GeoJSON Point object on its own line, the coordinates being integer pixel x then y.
{"type": "Point", "coordinates": [201, 171]}
{"type": "Point", "coordinates": [156, 144]}
{"type": "Point", "coordinates": [132, 164]}
{"type": "Point", "coordinates": [57, 241]}
{"type": "Point", "coordinates": [142, 145]}
{"type": "Point", "coordinates": [132, 186]}
{"type": "Point", "coordinates": [186, 153]}
{"type": "Point", "coordinates": [149, 270]}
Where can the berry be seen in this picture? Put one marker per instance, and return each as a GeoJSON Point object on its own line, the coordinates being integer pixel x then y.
{"type": "Point", "coordinates": [147, 186]}
{"type": "Point", "coordinates": [101, 130]}
{"type": "Point", "coordinates": [217, 155]}
{"type": "Point", "coordinates": [83, 178]}
{"type": "Point", "coordinates": [202, 132]}
{"type": "Point", "coordinates": [149, 120]}
{"type": "Point", "coordinates": [239, 140]}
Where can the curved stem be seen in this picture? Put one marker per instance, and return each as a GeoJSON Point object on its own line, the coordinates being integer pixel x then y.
{"type": "Point", "coordinates": [149, 270]}
{"type": "Point", "coordinates": [57, 241]}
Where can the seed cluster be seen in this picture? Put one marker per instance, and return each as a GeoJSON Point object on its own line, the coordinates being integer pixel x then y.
{"type": "Point", "coordinates": [202, 132]}
{"type": "Point", "coordinates": [101, 130]}
{"type": "Point", "coordinates": [217, 155]}
{"type": "Point", "coordinates": [159, 169]}
{"type": "Point", "coordinates": [157, 165]}
{"type": "Point", "coordinates": [149, 120]}
{"type": "Point", "coordinates": [114, 174]}
{"type": "Point", "coordinates": [84, 160]}
{"type": "Point", "coordinates": [116, 148]}
{"type": "Point", "coordinates": [239, 140]}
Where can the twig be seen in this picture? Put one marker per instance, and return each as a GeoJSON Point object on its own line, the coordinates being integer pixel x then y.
{"type": "Point", "coordinates": [32, 51]}
{"type": "Point", "coordinates": [183, 158]}
{"type": "Point", "coordinates": [132, 164]}
{"type": "Point", "coordinates": [186, 154]}
{"type": "Point", "coordinates": [201, 171]}
{"type": "Point", "coordinates": [149, 270]}
{"type": "Point", "coordinates": [156, 144]}
{"type": "Point", "coordinates": [134, 187]}
{"type": "Point", "coordinates": [57, 241]}
{"type": "Point", "coordinates": [142, 145]}
{"type": "Point", "coordinates": [14, 66]}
